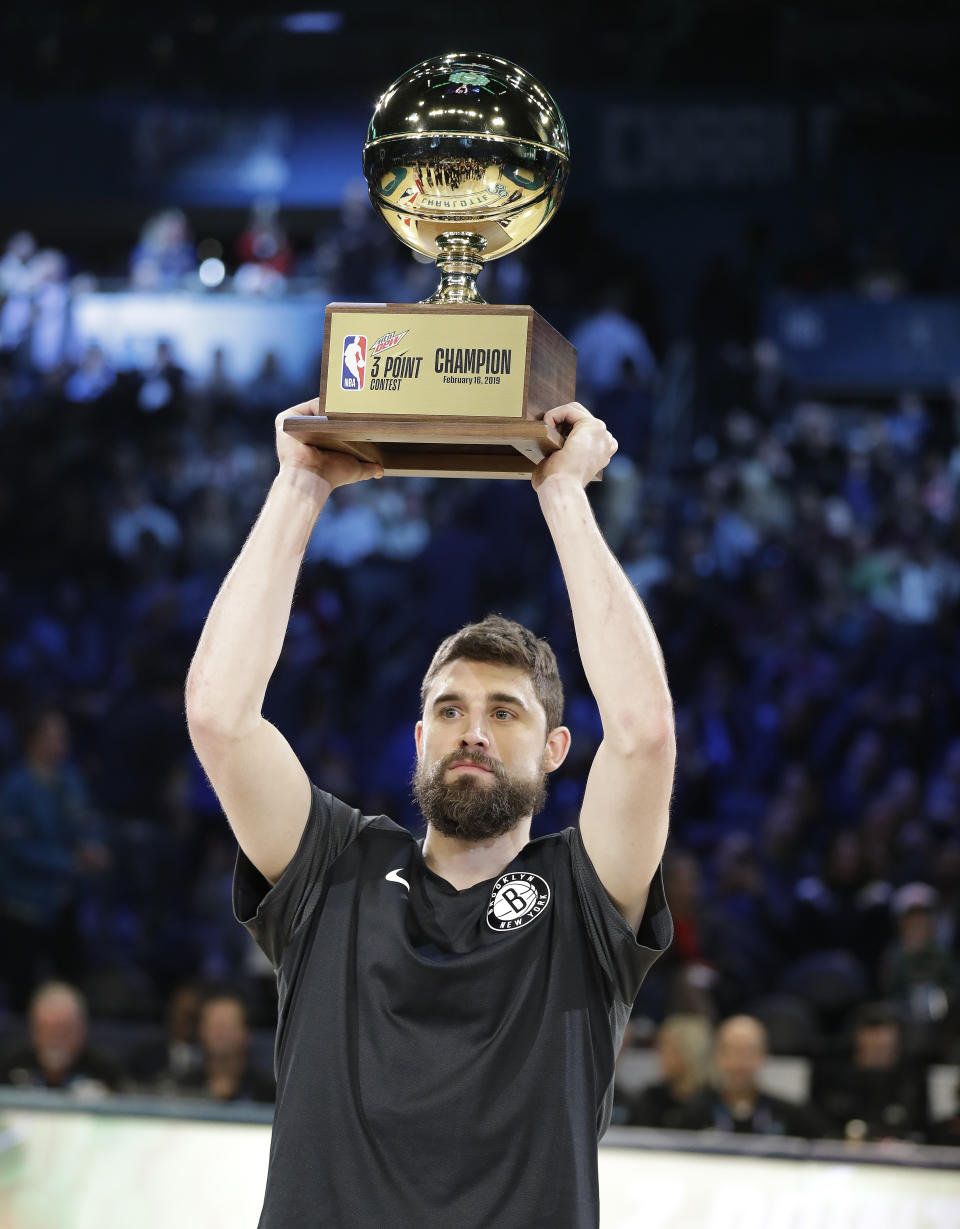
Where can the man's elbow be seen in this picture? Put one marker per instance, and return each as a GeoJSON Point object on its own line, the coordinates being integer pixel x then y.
{"type": "Point", "coordinates": [211, 719]}
{"type": "Point", "coordinates": [642, 734]}
{"type": "Point", "coordinates": [199, 705]}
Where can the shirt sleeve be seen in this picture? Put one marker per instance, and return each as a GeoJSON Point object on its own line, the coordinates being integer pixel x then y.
{"type": "Point", "coordinates": [624, 956]}
{"type": "Point", "coordinates": [273, 915]}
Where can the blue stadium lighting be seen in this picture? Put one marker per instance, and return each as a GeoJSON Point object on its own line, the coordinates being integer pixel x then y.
{"type": "Point", "coordinates": [312, 23]}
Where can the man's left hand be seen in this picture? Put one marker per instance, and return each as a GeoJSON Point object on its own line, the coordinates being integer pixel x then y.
{"type": "Point", "coordinates": [586, 450]}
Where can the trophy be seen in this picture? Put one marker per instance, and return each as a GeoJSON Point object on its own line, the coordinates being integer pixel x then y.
{"type": "Point", "coordinates": [466, 158]}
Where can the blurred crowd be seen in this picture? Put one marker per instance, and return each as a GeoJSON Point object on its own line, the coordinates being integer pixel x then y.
{"type": "Point", "coordinates": [799, 559]}
{"type": "Point", "coordinates": [714, 1079]}
{"type": "Point", "coordinates": [204, 1051]}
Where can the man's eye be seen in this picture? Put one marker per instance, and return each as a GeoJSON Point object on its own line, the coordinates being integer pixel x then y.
{"type": "Point", "coordinates": [448, 712]}
{"type": "Point", "coordinates": [503, 713]}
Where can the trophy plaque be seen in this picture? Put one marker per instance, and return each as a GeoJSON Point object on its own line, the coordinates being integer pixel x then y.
{"type": "Point", "coordinates": [466, 158]}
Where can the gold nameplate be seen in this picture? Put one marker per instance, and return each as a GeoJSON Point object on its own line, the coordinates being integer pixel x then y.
{"type": "Point", "coordinates": [426, 363]}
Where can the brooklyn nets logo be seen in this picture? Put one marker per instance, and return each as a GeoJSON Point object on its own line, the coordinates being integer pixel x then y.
{"type": "Point", "coordinates": [516, 900]}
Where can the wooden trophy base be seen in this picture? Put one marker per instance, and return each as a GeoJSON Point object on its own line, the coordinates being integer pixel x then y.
{"type": "Point", "coordinates": [437, 448]}
{"type": "Point", "coordinates": [440, 390]}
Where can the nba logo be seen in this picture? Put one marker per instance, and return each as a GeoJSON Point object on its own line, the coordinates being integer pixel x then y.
{"type": "Point", "coordinates": [354, 363]}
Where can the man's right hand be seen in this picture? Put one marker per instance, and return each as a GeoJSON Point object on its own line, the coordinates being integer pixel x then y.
{"type": "Point", "coordinates": [337, 468]}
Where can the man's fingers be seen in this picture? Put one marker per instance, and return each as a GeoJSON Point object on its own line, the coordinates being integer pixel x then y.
{"type": "Point", "coordinates": [305, 407]}
{"type": "Point", "coordinates": [573, 412]}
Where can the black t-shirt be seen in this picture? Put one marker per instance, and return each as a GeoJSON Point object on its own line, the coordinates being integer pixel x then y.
{"type": "Point", "coordinates": [252, 1085]}
{"type": "Point", "coordinates": [444, 1058]}
{"type": "Point", "coordinates": [891, 1101]}
{"type": "Point", "coordinates": [21, 1068]}
{"type": "Point", "coordinates": [656, 1106]}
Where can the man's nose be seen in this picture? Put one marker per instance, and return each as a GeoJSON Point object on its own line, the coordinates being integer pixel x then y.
{"type": "Point", "coordinates": [476, 734]}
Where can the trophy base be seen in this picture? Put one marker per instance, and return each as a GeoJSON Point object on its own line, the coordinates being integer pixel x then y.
{"type": "Point", "coordinates": [440, 390]}
{"type": "Point", "coordinates": [435, 448]}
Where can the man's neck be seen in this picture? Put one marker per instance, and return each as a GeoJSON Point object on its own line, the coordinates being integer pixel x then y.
{"type": "Point", "coordinates": [465, 863]}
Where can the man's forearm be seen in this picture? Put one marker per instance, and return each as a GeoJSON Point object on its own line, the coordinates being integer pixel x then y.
{"type": "Point", "coordinates": [243, 634]}
{"type": "Point", "coordinates": [618, 647]}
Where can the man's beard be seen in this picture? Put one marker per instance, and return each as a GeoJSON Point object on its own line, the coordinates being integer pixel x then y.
{"type": "Point", "coordinates": [469, 809]}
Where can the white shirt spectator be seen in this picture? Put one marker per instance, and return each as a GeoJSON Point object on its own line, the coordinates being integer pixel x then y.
{"type": "Point", "coordinates": [136, 516]}
{"type": "Point", "coordinates": [604, 341]}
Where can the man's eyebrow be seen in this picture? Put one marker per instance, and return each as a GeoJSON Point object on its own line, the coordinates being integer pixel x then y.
{"type": "Point", "coordinates": [496, 697]}
{"type": "Point", "coordinates": [504, 697]}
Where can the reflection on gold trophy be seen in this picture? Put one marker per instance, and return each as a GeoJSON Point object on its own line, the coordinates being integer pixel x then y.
{"type": "Point", "coordinates": [466, 158]}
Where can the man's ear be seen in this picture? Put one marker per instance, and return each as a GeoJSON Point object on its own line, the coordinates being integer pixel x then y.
{"type": "Point", "coordinates": [555, 752]}
{"type": "Point", "coordinates": [418, 737]}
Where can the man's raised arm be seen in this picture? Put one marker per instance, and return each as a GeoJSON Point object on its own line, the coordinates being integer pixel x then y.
{"type": "Point", "coordinates": [625, 808]}
{"type": "Point", "coordinates": [261, 784]}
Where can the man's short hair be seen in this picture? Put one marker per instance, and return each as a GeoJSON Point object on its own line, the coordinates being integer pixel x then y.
{"type": "Point", "coordinates": [502, 642]}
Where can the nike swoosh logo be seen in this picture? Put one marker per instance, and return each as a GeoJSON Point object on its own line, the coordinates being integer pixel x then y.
{"type": "Point", "coordinates": [396, 877]}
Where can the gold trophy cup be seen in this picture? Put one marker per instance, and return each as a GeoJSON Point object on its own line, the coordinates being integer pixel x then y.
{"type": "Point", "coordinates": [466, 158]}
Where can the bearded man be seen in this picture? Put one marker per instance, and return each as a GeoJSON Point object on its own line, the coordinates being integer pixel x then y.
{"type": "Point", "coordinates": [450, 1008]}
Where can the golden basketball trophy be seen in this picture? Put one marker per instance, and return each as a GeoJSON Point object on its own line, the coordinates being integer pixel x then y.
{"type": "Point", "coordinates": [466, 158]}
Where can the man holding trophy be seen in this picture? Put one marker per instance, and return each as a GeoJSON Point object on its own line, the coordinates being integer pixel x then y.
{"type": "Point", "coordinates": [450, 1008]}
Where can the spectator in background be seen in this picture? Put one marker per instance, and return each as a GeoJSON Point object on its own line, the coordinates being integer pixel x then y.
{"type": "Point", "coordinates": [16, 290]}
{"type": "Point", "coordinates": [683, 1052]}
{"type": "Point", "coordinates": [270, 386]}
{"type": "Point", "coordinates": [917, 973]}
{"type": "Point", "coordinates": [606, 341]}
{"type": "Point", "coordinates": [50, 327]}
{"type": "Point", "coordinates": [57, 1054]}
{"type": "Point", "coordinates": [49, 841]}
{"type": "Point", "coordinates": [706, 961]}
{"type": "Point", "coordinates": [135, 517]}
{"type": "Point", "coordinates": [736, 1102]}
{"type": "Point", "coordinates": [15, 261]}
{"type": "Point", "coordinates": [358, 255]}
{"type": "Point", "coordinates": [163, 383]}
{"type": "Point", "coordinates": [873, 1093]}
{"type": "Point", "coordinates": [626, 406]}
{"type": "Point", "coordinates": [165, 254]}
{"type": "Point", "coordinates": [92, 377]}
{"type": "Point", "coordinates": [840, 907]}
{"type": "Point", "coordinates": [35, 317]}
{"type": "Point", "coordinates": [161, 1065]}
{"type": "Point", "coordinates": [264, 241]}
{"type": "Point", "coordinates": [211, 534]}
{"type": "Point", "coordinates": [227, 1073]}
